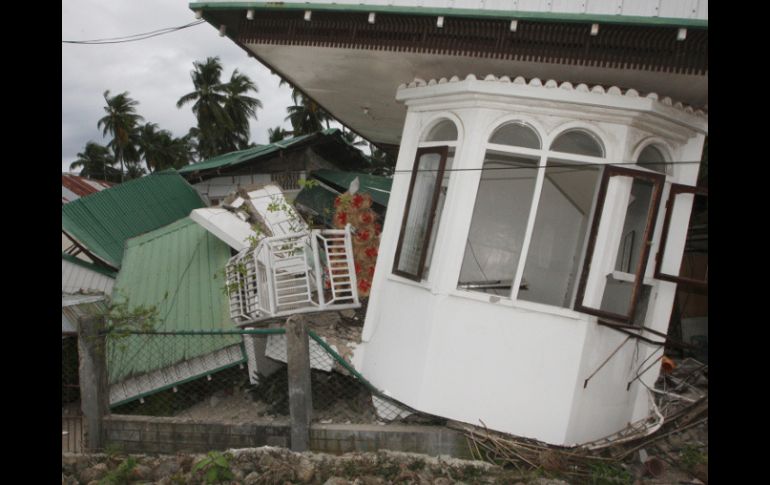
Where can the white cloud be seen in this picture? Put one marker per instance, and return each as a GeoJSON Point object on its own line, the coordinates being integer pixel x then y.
{"type": "Point", "coordinates": [155, 72]}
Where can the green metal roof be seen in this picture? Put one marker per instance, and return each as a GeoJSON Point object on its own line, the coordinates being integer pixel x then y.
{"type": "Point", "coordinates": [178, 269]}
{"type": "Point", "coordinates": [457, 12]}
{"type": "Point", "coordinates": [88, 265]}
{"type": "Point", "coordinates": [376, 186]}
{"type": "Point", "coordinates": [103, 221]}
{"type": "Point", "coordinates": [235, 158]}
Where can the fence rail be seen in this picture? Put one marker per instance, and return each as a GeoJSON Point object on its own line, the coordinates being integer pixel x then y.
{"type": "Point", "coordinates": [184, 374]}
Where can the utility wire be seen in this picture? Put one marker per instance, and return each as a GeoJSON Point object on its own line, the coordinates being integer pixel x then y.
{"type": "Point", "coordinates": [134, 37]}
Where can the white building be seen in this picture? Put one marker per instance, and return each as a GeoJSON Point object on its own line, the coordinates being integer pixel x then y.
{"type": "Point", "coordinates": [525, 279]}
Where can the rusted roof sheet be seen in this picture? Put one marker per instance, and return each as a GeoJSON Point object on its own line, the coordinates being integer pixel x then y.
{"type": "Point", "coordinates": [74, 187]}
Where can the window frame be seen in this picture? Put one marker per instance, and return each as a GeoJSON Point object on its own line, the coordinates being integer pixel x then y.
{"type": "Point", "coordinates": [609, 171]}
{"type": "Point", "coordinates": [443, 152]}
{"type": "Point", "coordinates": [677, 189]}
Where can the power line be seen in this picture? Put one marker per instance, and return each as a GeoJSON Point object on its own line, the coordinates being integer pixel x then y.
{"type": "Point", "coordinates": [134, 37]}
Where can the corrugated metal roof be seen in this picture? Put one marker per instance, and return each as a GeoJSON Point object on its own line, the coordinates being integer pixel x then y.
{"type": "Point", "coordinates": [78, 275]}
{"type": "Point", "coordinates": [178, 269]}
{"type": "Point", "coordinates": [102, 222]}
{"type": "Point", "coordinates": [74, 307]}
{"type": "Point", "coordinates": [376, 186]}
{"type": "Point", "coordinates": [74, 187]}
{"type": "Point", "coordinates": [235, 158]}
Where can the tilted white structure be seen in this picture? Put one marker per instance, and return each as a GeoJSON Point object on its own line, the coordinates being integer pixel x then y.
{"type": "Point", "coordinates": [522, 213]}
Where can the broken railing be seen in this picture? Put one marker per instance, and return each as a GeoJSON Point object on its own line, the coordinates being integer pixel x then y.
{"type": "Point", "coordinates": [296, 273]}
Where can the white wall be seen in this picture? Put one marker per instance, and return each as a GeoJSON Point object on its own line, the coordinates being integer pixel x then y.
{"type": "Point", "coordinates": [518, 366]}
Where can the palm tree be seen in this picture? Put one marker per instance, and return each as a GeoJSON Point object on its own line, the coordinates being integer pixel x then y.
{"type": "Point", "coordinates": [223, 110]}
{"type": "Point", "coordinates": [306, 116]}
{"type": "Point", "coordinates": [161, 150]}
{"type": "Point", "coordinates": [209, 99]}
{"type": "Point", "coordinates": [94, 159]}
{"type": "Point", "coordinates": [120, 122]}
{"type": "Point", "coordinates": [240, 107]}
{"type": "Point", "coordinates": [276, 134]}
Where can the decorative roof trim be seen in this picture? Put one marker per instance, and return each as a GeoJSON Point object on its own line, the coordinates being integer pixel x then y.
{"type": "Point", "coordinates": [553, 84]}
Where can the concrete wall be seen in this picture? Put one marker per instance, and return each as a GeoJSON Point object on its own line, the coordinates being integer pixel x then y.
{"type": "Point", "coordinates": [517, 366]}
{"type": "Point", "coordinates": [142, 434]}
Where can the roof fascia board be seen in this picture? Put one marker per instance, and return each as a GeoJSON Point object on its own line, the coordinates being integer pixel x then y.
{"type": "Point", "coordinates": [472, 93]}
{"type": "Point", "coordinates": [460, 12]}
{"type": "Point", "coordinates": [89, 266]}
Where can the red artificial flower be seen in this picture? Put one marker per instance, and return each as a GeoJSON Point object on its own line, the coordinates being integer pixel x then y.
{"type": "Point", "coordinates": [363, 236]}
{"type": "Point", "coordinates": [341, 218]}
{"type": "Point", "coordinates": [364, 285]}
{"type": "Point", "coordinates": [377, 228]}
{"type": "Point", "coordinates": [371, 252]}
{"type": "Point", "coordinates": [358, 200]}
{"type": "Point", "coordinates": [366, 217]}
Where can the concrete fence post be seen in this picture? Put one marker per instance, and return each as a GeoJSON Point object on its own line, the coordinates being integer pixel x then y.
{"type": "Point", "coordinates": [300, 398]}
{"type": "Point", "coordinates": [94, 391]}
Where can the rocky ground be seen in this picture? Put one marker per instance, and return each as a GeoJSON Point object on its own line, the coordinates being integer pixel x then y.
{"type": "Point", "coordinates": [681, 458]}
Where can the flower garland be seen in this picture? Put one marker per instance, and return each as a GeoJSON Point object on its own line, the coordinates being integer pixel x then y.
{"type": "Point", "coordinates": [356, 209]}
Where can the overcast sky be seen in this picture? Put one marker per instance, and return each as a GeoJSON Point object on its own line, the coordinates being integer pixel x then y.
{"type": "Point", "coordinates": [155, 72]}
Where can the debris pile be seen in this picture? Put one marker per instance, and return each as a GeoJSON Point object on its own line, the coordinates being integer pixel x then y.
{"type": "Point", "coordinates": [677, 444]}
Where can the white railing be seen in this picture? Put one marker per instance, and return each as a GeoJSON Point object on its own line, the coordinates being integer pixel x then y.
{"type": "Point", "coordinates": [297, 273]}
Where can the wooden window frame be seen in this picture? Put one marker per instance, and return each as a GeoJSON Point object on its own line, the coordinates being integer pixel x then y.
{"type": "Point", "coordinates": [657, 181]}
{"type": "Point", "coordinates": [443, 152]}
{"type": "Point", "coordinates": [677, 189]}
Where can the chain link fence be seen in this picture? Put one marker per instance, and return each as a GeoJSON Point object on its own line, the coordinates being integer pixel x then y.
{"type": "Point", "coordinates": [240, 376]}
{"type": "Point", "coordinates": [72, 422]}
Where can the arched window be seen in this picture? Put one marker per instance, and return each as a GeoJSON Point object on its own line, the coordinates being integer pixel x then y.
{"type": "Point", "coordinates": [578, 142]}
{"type": "Point", "coordinates": [444, 130]}
{"type": "Point", "coordinates": [527, 231]}
{"type": "Point", "coordinates": [652, 158]}
{"type": "Point", "coordinates": [516, 134]}
{"type": "Point", "coordinates": [425, 201]}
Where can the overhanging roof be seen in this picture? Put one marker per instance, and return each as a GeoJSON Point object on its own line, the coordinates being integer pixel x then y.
{"type": "Point", "coordinates": [102, 222]}
{"type": "Point", "coordinates": [353, 67]}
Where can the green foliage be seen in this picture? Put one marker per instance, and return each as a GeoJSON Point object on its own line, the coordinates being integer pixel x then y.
{"type": "Point", "coordinates": [113, 450]}
{"type": "Point", "coordinates": [215, 467]}
{"type": "Point", "coordinates": [692, 455]}
{"type": "Point", "coordinates": [122, 320]}
{"type": "Point", "coordinates": [121, 475]}
{"type": "Point", "coordinates": [307, 183]}
{"type": "Point", "coordinates": [605, 474]}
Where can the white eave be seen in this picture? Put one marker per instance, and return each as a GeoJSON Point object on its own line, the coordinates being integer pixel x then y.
{"type": "Point", "coordinates": [551, 90]}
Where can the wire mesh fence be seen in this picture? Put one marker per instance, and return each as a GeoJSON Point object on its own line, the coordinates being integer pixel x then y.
{"type": "Point", "coordinates": [239, 376]}
{"type": "Point", "coordinates": [72, 420]}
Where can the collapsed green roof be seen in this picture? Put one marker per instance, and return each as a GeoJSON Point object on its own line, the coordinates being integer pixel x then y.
{"type": "Point", "coordinates": [103, 221]}
{"type": "Point", "coordinates": [234, 159]}
{"type": "Point", "coordinates": [178, 269]}
{"type": "Point", "coordinates": [320, 199]}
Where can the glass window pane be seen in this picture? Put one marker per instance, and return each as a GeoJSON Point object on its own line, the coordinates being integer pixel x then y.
{"type": "Point", "coordinates": [445, 130]}
{"type": "Point", "coordinates": [615, 268]}
{"type": "Point", "coordinates": [652, 158]}
{"type": "Point", "coordinates": [516, 134]}
{"type": "Point", "coordinates": [561, 223]}
{"type": "Point", "coordinates": [425, 191]}
{"type": "Point", "coordinates": [691, 205]}
{"type": "Point", "coordinates": [578, 142]}
{"type": "Point", "coordinates": [500, 214]}
{"type": "Point", "coordinates": [439, 211]}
